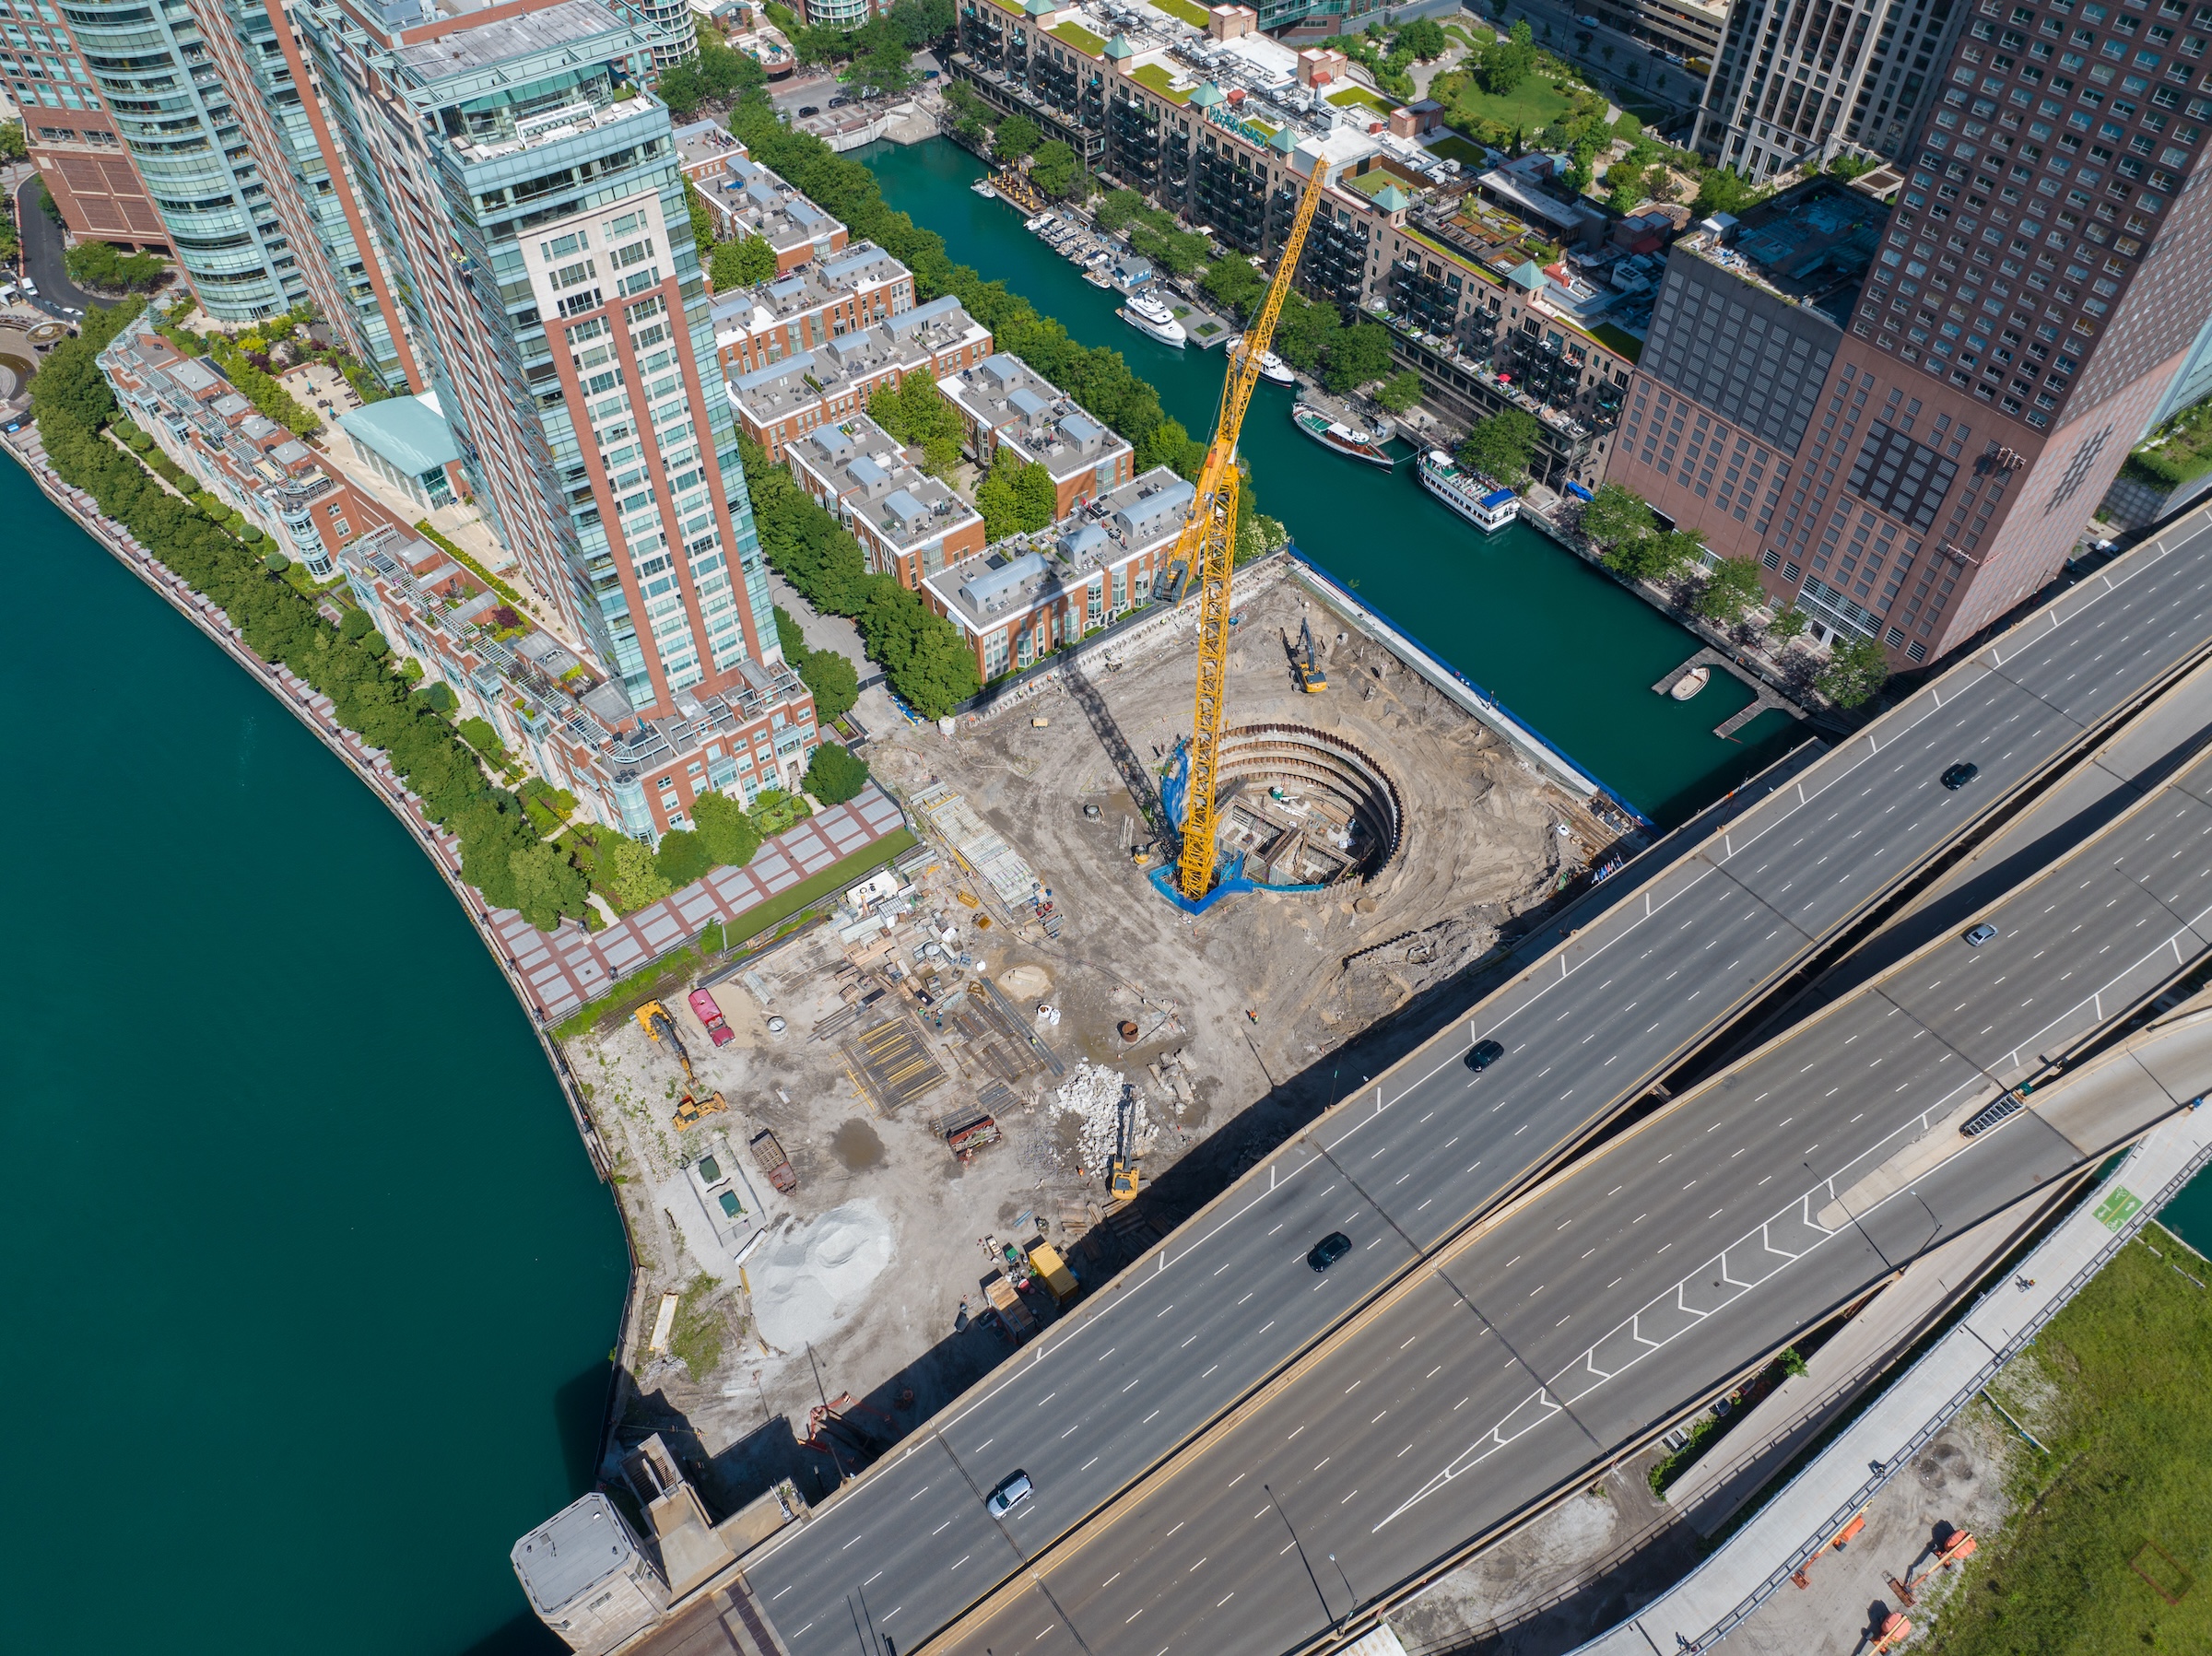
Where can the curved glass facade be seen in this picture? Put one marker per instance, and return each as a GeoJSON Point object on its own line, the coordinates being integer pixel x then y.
{"type": "Point", "coordinates": [154, 67]}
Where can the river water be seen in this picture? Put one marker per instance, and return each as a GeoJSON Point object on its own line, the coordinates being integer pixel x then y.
{"type": "Point", "coordinates": [309, 1286]}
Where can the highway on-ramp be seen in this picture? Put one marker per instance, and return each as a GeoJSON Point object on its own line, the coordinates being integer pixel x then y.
{"type": "Point", "coordinates": [1590, 1314]}
{"type": "Point", "coordinates": [1401, 1166]}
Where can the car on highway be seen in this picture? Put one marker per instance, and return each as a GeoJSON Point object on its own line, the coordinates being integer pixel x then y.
{"type": "Point", "coordinates": [809, 108]}
{"type": "Point", "coordinates": [1958, 776]}
{"type": "Point", "coordinates": [1011, 1492]}
{"type": "Point", "coordinates": [1979, 936]}
{"type": "Point", "coordinates": [1483, 1054]}
{"type": "Point", "coordinates": [1329, 1250]}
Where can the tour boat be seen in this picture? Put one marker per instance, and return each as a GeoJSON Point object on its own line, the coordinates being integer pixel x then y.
{"type": "Point", "coordinates": [1272, 369]}
{"type": "Point", "coordinates": [1470, 494]}
{"type": "Point", "coordinates": [1690, 683]}
{"type": "Point", "coordinates": [1151, 316]}
{"type": "Point", "coordinates": [1354, 441]}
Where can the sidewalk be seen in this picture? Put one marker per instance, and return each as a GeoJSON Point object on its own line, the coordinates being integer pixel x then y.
{"type": "Point", "coordinates": [2162, 1069]}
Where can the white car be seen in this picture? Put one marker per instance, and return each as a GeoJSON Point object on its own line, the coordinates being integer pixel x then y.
{"type": "Point", "coordinates": [1010, 1493]}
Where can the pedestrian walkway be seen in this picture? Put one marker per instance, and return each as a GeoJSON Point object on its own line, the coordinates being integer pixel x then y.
{"type": "Point", "coordinates": [569, 967]}
{"type": "Point", "coordinates": [2171, 1064]}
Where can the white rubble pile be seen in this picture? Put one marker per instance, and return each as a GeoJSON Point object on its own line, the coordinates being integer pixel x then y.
{"type": "Point", "coordinates": [807, 1280]}
{"type": "Point", "coordinates": [1093, 1094]}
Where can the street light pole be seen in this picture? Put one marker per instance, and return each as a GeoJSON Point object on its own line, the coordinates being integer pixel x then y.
{"type": "Point", "coordinates": [1304, 1560]}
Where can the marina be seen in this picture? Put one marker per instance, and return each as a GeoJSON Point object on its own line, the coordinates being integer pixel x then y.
{"type": "Point", "coordinates": [1151, 316]}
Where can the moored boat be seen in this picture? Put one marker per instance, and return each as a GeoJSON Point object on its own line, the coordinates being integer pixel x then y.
{"type": "Point", "coordinates": [1690, 683]}
{"type": "Point", "coordinates": [982, 188]}
{"type": "Point", "coordinates": [1149, 314]}
{"type": "Point", "coordinates": [1354, 442]}
{"type": "Point", "coordinates": [1475, 497]}
{"type": "Point", "coordinates": [1272, 369]}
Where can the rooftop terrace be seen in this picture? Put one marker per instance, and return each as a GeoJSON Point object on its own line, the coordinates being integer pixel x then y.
{"type": "Point", "coordinates": [1023, 571]}
{"type": "Point", "coordinates": [1811, 246]}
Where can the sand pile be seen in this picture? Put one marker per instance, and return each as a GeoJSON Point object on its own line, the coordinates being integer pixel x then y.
{"type": "Point", "coordinates": [1092, 1096]}
{"type": "Point", "coordinates": [808, 1279]}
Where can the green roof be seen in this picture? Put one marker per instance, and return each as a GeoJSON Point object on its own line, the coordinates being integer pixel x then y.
{"type": "Point", "coordinates": [409, 432]}
{"type": "Point", "coordinates": [1155, 77]}
{"type": "Point", "coordinates": [1081, 38]}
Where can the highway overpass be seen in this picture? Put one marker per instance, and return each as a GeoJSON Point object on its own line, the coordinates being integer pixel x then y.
{"type": "Point", "coordinates": [1569, 1328]}
{"type": "Point", "coordinates": [1406, 1164]}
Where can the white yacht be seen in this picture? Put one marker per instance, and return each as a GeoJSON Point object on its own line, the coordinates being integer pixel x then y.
{"type": "Point", "coordinates": [1272, 369]}
{"type": "Point", "coordinates": [1470, 494]}
{"type": "Point", "coordinates": [1148, 314]}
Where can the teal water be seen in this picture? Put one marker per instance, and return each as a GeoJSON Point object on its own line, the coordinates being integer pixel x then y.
{"type": "Point", "coordinates": [1570, 652]}
{"type": "Point", "coordinates": [309, 1284]}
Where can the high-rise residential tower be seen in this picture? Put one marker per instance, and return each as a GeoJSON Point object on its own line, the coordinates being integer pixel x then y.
{"type": "Point", "coordinates": [1908, 414]}
{"type": "Point", "coordinates": [525, 188]}
{"type": "Point", "coordinates": [1799, 78]}
{"type": "Point", "coordinates": [155, 67]}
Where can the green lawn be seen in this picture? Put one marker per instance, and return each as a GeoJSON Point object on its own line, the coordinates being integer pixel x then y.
{"type": "Point", "coordinates": [1373, 101]}
{"type": "Point", "coordinates": [1195, 15]}
{"type": "Point", "coordinates": [1533, 104]}
{"type": "Point", "coordinates": [1081, 38]}
{"type": "Point", "coordinates": [2127, 1420]}
{"type": "Point", "coordinates": [1453, 147]}
{"type": "Point", "coordinates": [1156, 78]}
{"type": "Point", "coordinates": [1626, 343]}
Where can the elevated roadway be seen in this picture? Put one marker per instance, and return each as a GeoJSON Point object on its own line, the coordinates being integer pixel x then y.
{"type": "Point", "coordinates": [1567, 1328]}
{"type": "Point", "coordinates": [1406, 1164]}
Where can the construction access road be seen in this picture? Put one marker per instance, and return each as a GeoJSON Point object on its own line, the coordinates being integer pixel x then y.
{"type": "Point", "coordinates": [1568, 1330]}
{"type": "Point", "coordinates": [1405, 1165]}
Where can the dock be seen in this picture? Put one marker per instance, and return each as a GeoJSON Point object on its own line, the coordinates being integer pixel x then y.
{"type": "Point", "coordinates": [1762, 697]}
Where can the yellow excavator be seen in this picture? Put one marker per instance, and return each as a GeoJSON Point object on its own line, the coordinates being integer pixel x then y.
{"type": "Point", "coordinates": [1311, 678]}
{"type": "Point", "coordinates": [1125, 1177]}
{"type": "Point", "coordinates": [653, 1017]}
{"type": "Point", "coordinates": [1209, 545]}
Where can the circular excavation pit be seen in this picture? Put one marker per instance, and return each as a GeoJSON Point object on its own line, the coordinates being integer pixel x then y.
{"type": "Point", "coordinates": [1304, 808]}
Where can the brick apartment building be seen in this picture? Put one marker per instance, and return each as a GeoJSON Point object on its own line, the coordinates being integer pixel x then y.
{"type": "Point", "coordinates": [908, 524]}
{"type": "Point", "coordinates": [1006, 403]}
{"type": "Point", "coordinates": [832, 382]}
{"type": "Point", "coordinates": [815, 303]}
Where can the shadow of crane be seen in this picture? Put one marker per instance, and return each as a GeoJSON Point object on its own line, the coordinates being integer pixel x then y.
{"type": "Point", "coordinates": [1135, 777]}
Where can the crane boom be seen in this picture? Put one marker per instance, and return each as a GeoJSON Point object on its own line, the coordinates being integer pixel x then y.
{"type": "Point", "coordinates": [1209, 545]}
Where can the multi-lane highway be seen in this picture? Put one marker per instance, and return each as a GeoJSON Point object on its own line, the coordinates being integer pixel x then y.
{"type": "Point", "coordinates": [1602, 1305]}
{"type": "Point", "coordinates": [1403, 1166]}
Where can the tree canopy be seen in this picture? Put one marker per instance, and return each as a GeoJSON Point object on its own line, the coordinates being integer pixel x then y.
{"type": "Point", "coordinates": [1500, 446]}
{"type": "Point", "coordinates": [1857, 667]}
{"type": "Point", "coordinates": [1400, 391]}
{"type": "Point", "coordinates": [1502, 65]}
{"type": "Point", "coordinates": [835, 775]}
{"type": "Point", "coordinates": [745, 263]}
{"type": "Point", "coordinates": [1054, 171]}
{"type": "Point", "coordinates": [1734, 588]}
{"type": "Point", "coordinates": [1018, 134]}
{"type": "Point", "coordinates": [1614, 514]}
{"type": "Point", "coordinates": [1356, 355]}
{"type": "Point", "coordinates": [729, 834]}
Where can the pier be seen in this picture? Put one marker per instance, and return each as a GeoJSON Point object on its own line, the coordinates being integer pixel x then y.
{"type": "Point", "coordinates": [1762, 697]}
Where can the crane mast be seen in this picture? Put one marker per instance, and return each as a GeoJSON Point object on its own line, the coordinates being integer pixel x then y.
{"type": "Point", "coordinates": [1209, 545]}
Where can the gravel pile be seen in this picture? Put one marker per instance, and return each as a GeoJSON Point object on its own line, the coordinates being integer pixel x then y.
{"type": "Point", "coordinates": [1092, 1096]}
{"type": "Point", "coordinates": [809, 1279]}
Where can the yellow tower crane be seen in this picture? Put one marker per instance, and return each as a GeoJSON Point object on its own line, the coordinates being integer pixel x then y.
{"type": "Point", "coordinates": [1209, 545]}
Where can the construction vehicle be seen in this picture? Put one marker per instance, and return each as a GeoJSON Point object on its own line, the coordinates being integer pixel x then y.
{"type": "Point", "coordinates": [1896, 1629]}
{"type": "Point", "coordinates": [690, 1111]}
{"type": "Point", "coordinates": [1311, 678]}
{"type": "Point", "coordinates": [709, 1015]}
{"type": "Point", "coordinates": [653, 1017]}
{"type": "Point", "coordinates": [774, 1162]}
{"type": "Point", "coordinates": [1124, 1179]}
{"type": "Point", "coordinates": [1957, 1549]}
{"type": "Point", "coordinates": [1208, 546]}
{"type": "Point", "coordinates": [1049, 1268]}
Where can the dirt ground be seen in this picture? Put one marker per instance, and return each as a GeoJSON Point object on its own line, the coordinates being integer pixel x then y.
{"type": "Point", "coordinates": [1239, 1015]}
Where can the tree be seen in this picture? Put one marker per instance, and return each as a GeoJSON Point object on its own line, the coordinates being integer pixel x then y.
{"type": "Point", "coordinates": [101, 265]}
{"type": "Point", "coordinates": [1848, 166]}
{"type": "Point", "coordinates": [919, 22]}
{"type": "Point", "coordinates": [1500, 445]}
{"type": "Point", "coordinates": [1720, 190]}
{"type": "Point", "coordinates": [1614, 515]}
{"type": "Point", "coordinates": [627, 873]}
{"type": "Point", "coordinates": [745, 263]}
{"type": "Point", "coordinates": [477, 732]}
{"type": "Point", "coordinates": [702, 220]}
{"type": "Point", "coordinates": [1258, 534]}
{"type": "Point", "coordinates": [1400, 391]}
{"type": "Point", "coordinates": [1789, 624]}
{"type": "Point", "coordinates": [887, 65]}
{"type": "Point", "coordinates": [1659, 556]}
{"type": "Point", "coordinates": [1734, 588]}
{"type": "Point", "coordinates": [1054, 170]}
{"type": "Point", "coordinates": [832, 678]}
{"type": "Point", "coordinates": [1018, 135]}
{"type": "Point", "coordinates": [682, 858]}
{"type": "Point", "coordinates": [546, 887]}
{"type": "Point", "coordinates": [1305, 329]}
{"type": "Point", "coordinates": [13, 147]}
{"type": "Point", "coordinates": [1425, 39]}
{"type": "Point", "coordinates": [1117, 207]}
{"type": "Point", "coordinates": [729, 835]}
{"type": "Point", "coordinates": [1625, 181]}
{"type": "Point", "coordinates": [1358, 354]}
{"type": "Point", "coordinates": [1234, 284]}
{"type": "Point", "coordinates": [1857, 667]}
{"type": "Point", "coordinates": [1503, 64]}
{"type": "Point", "coordinates": [834, 775]}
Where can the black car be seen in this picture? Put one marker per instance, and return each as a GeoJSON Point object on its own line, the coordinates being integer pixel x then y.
{"type": "Point", "coordinates": [1483, 1054]}
{"type": "Point", "coordinates": [1329, 1250]}
{"type": "Point", "coordinates": [1958, 776]}
{"type": "Point", "coordinates": [809, 108]}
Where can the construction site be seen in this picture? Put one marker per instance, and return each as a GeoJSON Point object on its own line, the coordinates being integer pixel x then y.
{"type": "Point", "coordinates": [1171, 892]}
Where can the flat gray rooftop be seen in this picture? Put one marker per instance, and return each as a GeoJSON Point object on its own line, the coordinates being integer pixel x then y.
{"type": "Point", "coordinates": [572, 1552]}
